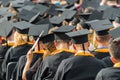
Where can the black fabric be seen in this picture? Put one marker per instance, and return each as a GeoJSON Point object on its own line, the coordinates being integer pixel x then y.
{"type": "Point", "coordinates": [108, 61]}
{"type": "Point", "coordinates": [109, 74]}
{"type": "Point", "coordinates": [13, 55]}
{"type": "Point", "coordinates": [79, 68]}
{"type": "Point", "coordinates": [100, 55]}
{"type": "Point", "coordinates": [3, 50]}
{"type": "Point", "coordinates": [31, 72]}
{"type": "Point", "coordinates": [48, 67]}
{"type": "Point", "coordinates": [17, 73]}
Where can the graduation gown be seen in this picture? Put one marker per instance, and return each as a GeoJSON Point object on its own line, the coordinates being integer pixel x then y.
{"type": "Point", "coordinates": [80, 67]}
{"type": "Point", "coordinates": [13, 55]}
{"type": "Point", "coordinates": [48, 67]}
{"type": "Point", "coordinates": [110, 73]}
{"type": "Point", "coordinates": [3, 50]}
{"type": "Point", "coordinates": [108, 61]}
{"type": "Point", "coordinates": [17, 73]}
{"type": "Point", "coordinates": [31, 72]}
{"type": "Point", "coordinates": [101, 53]}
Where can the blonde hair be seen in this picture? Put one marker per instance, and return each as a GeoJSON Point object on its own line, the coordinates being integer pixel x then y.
{"type": "Point", "coordinates": [20, 39]}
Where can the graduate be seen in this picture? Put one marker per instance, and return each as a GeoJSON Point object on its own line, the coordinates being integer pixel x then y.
{"type": "Point", "coordinates": [84, 65]}
{"type": "Point", "coordinates": [6, 39]}
{"type": "Point", "coordinates": [116, 22]}
{"type": "Point", "coordinates": [102, 37]}
{"type": "Point", "coordinates": [49, 66]}
{"type": "Point", "coordinates": [112, 73]}
{"type": "Point", "coordinates": [20, 47]}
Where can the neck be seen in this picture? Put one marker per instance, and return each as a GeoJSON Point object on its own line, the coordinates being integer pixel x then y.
{"type": "Point", "coordinates": [61, 47]}
{"type": "Point", "coordinates": [103, 44]}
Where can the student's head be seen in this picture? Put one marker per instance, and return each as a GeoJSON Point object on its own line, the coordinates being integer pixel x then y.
{"type": "Point", "coordinates": [79, 39]}
{"type": "Point", "coordinates": [103, 39]}
{"type": "Point", "coordinates": [114, 48]}
{"type": "Point", "coordinates": [20, 39]}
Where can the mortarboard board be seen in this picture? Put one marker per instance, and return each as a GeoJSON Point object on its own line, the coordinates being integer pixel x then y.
{"type": "Point", "coordinates": [17, 4]}
{"type": "Point", "coordinates": [115, 32]}
{"type": "Point", "coordinates": [68, 15]}
{"type": "Point", "coordinates": [52, 10]}
{"type": "Point", "coordinates": [117, 19]}
{"type": "Point", "coordinates": [6, 28]}
{"type": "Point", "coordinates": [75, 21]}
{"type": "Point", "coordinates": [39, 8]}
{"type": "Point", "coordinates": [44, 21]}
{"type": "Point", "coordinates": [96, 15]}
{"type": "Point", "coordinates": [28, 15]}
{"type": "Point", "coordinates": [27, 7]}
{"type": "Point", "coordinates": [28, 3]}
{"type": "Point", "coordinates": [71, 1]}
{"type": "Point", "coordinates": [35, 30]}
{"type": "Point", "coordinates": [5, 2]}
{"type": "Point", "coordinates": [103, 7]}
{"type": "Point", "coordinates": [90, 3]}
{"type": "Point", "coordinates": [101, 27]}
{"type": "Point", "coordinates": [79, 37]}
{"type": "Point", "coordinates": [57, 21]}
{"type": "Point", "coordinates": [22, 27]}
{"type": "Point", "coordinates": [60, 32]}
{"type": "Point", "coordinates": [111, 13]}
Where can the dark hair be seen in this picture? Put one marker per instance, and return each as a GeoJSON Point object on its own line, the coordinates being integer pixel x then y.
{"type": "Point", "coordinates": [114, 48]}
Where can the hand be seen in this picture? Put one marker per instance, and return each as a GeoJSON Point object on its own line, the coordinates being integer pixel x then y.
{"type": "Point", "coordinates": [29, 56]}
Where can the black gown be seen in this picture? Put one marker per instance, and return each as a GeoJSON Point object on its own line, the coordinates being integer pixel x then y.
{"type": "Point", "coordinates": [108, 61]}
{"type": "Point", "coordinates": [101, 53]}
{"type": "Point", "coordinates": [109, 74]}
{"type": "Point", "coordinates": [13, 55]}
{"type": "Point", "coordinates": [79, 68]}
{"type": "Point", "coordinates": [48, 67]}
{"type": "Point", "coordinates": [17, 73]}
{"type": "Point", "coordinates": [3, 50]}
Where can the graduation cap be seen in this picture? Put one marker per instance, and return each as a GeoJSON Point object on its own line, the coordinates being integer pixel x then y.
{"type": "Point", "coordinates": [115, 32]}
{"type": "Point", "coordinates": [28, 15]}
{"type": "Point", "coordinates": [6, 28]}
{"type": "Point", "coordinates": [103, 7]}
{"type": "Point", "coordinates": [5, 2]}
{"type": "Point", "coordinates": [111, 13]}
{"type": "Point", "coordinates": [79, 37]}
{"type": "Point", "coordinates": [57, 21]}
{"type": "Point", "coordinates": [117, 19]}
{"type": "Point", "coordinates": [28, 3]}
{"type": "Point", "coordinates": [16, 4]}
{"type": "Point", "coordinates": [96, 15]}
{"type": "Point", "coordinates": [52, 10]}
{"type": "Point", "coordinates": [85, 16]}
{"type": "Point", "coordinates": [35, 30]}
{"type": "Point", "coordinates": [68, 15]}
{"type": "Point", "coordinates": [45, 21]}
{"type": "Point", "coordinates": [90, 3]}
{"type": "Point", "coordinates": [27, 7]}
{"type": "Point", "coordinates": [60, 32]}
{"type": "Point", "coordinates": [101, 27]}
{"type": "Point", "coordinates": [40, 8]}
{"type": "Point", "coordinates": [48, 38]}
{"type": "Point", "coordinates": [85, 25]}
{"type": "Point", "coordinates": [22, 27]}
{"type": "Point", "coordinates": [71, 1]}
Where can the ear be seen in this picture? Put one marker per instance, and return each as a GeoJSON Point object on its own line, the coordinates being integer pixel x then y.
{"type": "Point", "coordinates": [88, 44]}
{"type": "Point", "coordinates": [113, 60]}
{"type": "Point", "coordinates": [96, 39]}
{"type": "Point", "coordinates": [55, 43]}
